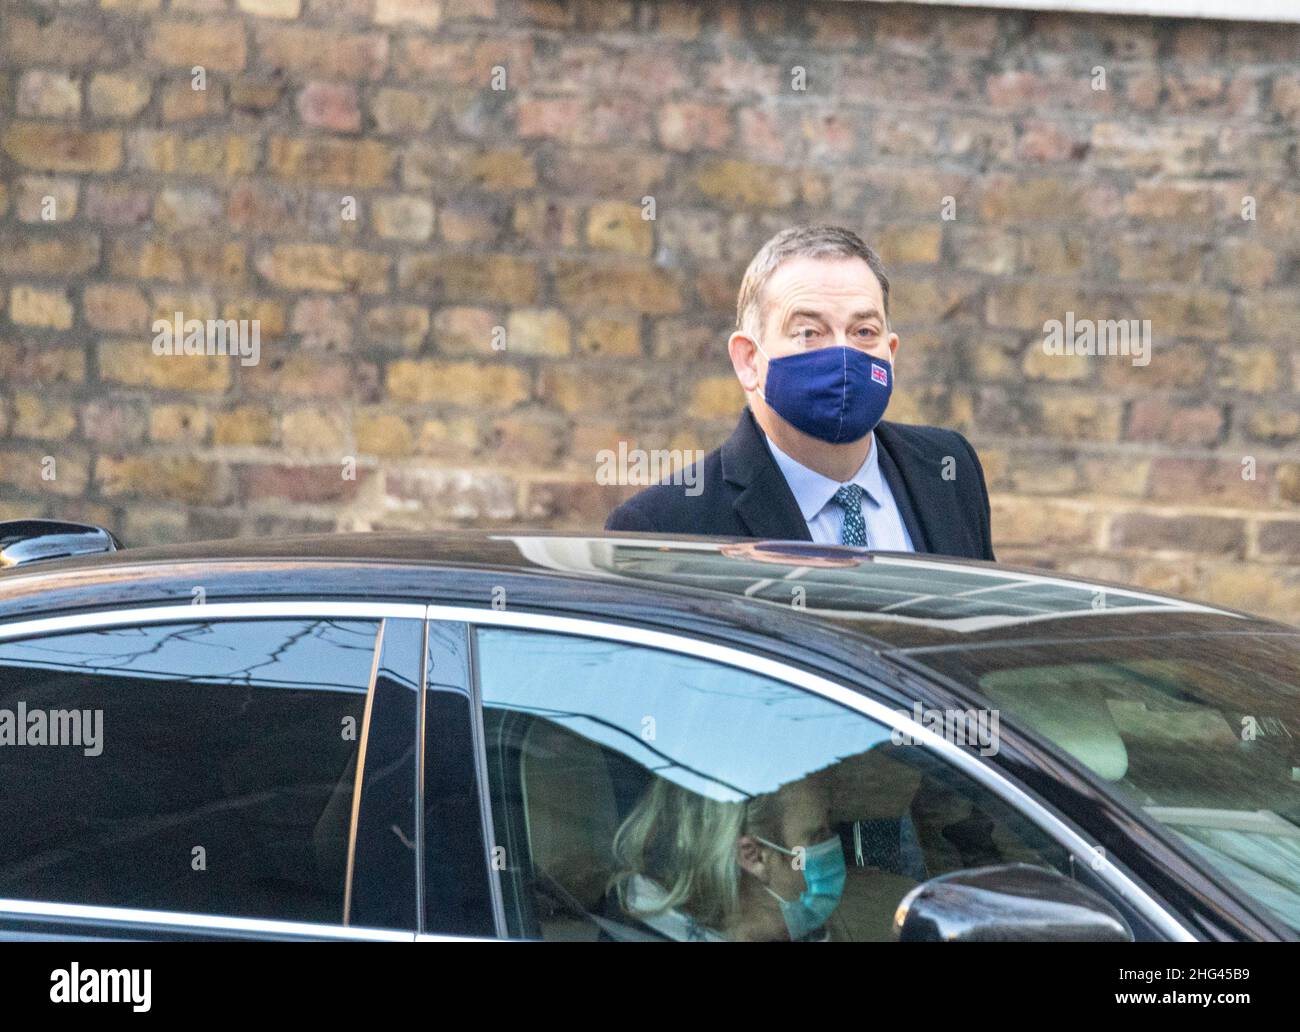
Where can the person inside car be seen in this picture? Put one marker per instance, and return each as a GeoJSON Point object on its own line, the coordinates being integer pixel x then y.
{"type": "Point", "coordinates": [697, 869]}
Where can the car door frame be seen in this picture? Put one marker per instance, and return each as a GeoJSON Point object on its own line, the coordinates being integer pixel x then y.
{"type": "Point", "coordinates": [37, 919]}
{"type": "Point", "coordinates": [862, 696]}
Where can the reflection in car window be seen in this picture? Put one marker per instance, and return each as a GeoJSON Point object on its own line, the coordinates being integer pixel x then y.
{"type": "Point", "coordinates": [641, 794]}
{"type": "Point", "coordinates": [1202, 733]}
{"type": "Point", "coordinates": [205, 767]}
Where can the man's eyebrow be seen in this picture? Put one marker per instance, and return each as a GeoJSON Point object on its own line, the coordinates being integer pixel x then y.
{"type": "Point", "coordinates": [808, 313]}
{"type": "Point", "coordinates": [802, 313]}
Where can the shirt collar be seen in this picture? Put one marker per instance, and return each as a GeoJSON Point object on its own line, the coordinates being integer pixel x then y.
{"type": "Point", "coordinates": [813, 491]}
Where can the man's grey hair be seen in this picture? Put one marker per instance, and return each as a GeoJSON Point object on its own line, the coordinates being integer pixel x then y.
{"type": "Point", "coordinates": [799, 242]}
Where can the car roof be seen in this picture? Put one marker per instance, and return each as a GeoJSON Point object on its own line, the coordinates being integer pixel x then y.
{"type": "Point", "coordinates": [894, 600]}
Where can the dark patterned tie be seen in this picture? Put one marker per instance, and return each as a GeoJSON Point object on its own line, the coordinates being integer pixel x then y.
{"type": "Point", "coordinates": [854, 529]}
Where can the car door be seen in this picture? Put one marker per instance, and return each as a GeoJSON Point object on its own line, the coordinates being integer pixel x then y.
{"type": "Point", "coordinates": [648, 786]}
{"type": "Point", "coordinates": [229, 770]}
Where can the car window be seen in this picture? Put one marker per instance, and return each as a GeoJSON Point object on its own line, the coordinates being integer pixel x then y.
{"type": "Point", "coordinates": [204, 767]}
{"type": "Point", "coordinates": [644, 794]}
{"type": "Point", "coordinates": [1198, 731]}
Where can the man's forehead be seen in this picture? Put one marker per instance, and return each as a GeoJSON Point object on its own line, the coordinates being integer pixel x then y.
{"type": "Point", "coordinates": [838, 279]}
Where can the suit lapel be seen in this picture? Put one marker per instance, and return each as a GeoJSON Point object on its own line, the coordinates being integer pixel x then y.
{"type": "Point", "coordinates": [931, 499]}
{"type": "Point", "coordinates": [902, 497]}
{"type": "Point", "coordinates": [765, 505]}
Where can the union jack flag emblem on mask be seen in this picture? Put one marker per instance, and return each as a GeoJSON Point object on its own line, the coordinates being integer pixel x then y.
{"type": "Point", "coordinates": [880, 374]}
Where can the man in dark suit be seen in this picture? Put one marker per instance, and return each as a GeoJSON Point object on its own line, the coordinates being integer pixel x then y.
{"type": "Point", "coordinates": [811, 459]}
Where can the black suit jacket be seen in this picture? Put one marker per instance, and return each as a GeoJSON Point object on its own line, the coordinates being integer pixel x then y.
{"type": "Point", "coordinates": [745, 494]}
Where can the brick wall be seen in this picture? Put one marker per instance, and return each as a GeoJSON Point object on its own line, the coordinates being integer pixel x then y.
{"type": "Point", "coordinates": [973, 148]}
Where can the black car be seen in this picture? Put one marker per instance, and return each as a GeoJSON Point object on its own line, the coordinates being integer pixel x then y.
{"type": "Point", "coordinates": [384, 736]}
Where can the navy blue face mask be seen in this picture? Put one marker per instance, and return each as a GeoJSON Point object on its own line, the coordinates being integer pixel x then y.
{"type": "Point", "coordinates": [836, 394]}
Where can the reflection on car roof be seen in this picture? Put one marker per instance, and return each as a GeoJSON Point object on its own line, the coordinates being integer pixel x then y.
{"type": "Point", "coordinates": [851, 583]}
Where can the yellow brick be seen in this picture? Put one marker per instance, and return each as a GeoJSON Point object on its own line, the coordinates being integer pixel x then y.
{"type": "Point", "coordinates": [467, 384]}
{"type": "Point", "coordinates": [36, 416]}
{"type": "Point", "coordinates": [245, 425]}
{"type": "Point", "coordinates": [403, 218]}
{"type": "Point", "coordinates": [181, 102]}
{"type": "Point", "coordinates": [718, 397]}
{"type": "Point", "coordinates": [32, 195]}
{"type": "Point", "coordinates": [60, 148]}
{"type": "Point", "coordinates": [270, 315]}
{"type": "Point", "coordinates": [42, 470]}
{"type": "Point", "coordinates": [453, 437]}
{"type": "Point", "coordinates": [403, 326]}
{"type": "Point", "coordinates": [321, 267]}
{"type": "Point", "coordinates": [599, 389]}
{"type": "Point", "coordinates": [117, 95]}
{"type": "Point", "coordinates": [175, 154]}
{"type": "Point", "coordinates": [610, 337]}
{"type": "Point", "coordinates": [195, 304]}
{"type": "Point", "coordinates": [615, 226]}
{"type": "Point", "coordinates": [272, 8]}
{"type": "Point", "coordinates": [172, 477]}
{"type": "Point", "coordinates": [743, 184]}
{"type": "Point", "coordinates": [46, 94]}
{"type": "Point", "coordinates": [910, 245]}
{"type": "Point", "coordinates": [471, 277]}
{"type": "Point", "coordinates": [330, 162]}
{"type": "Point", "coordinates": [41, 363]}
{"type": "Point", "coordinates": [217, 44]}
{"type": "Point", "coordinates": [382, 433]}
{"type": "Point", "coordinates": [30, 306]}
{"type": "Point", "coordinates": [40, 255]}
{"type": "Point", "coordinates": [1039, 365]}
{"type": "Point", "coordinates": [1251, 369]}
{"type": "Point", "coordinates": [186, 423]}
{"type": "Point", "coordinates": [537, 332]}
{"type": "Point", "coordinates": [463, 330]}
{"type": "Point", "coordinates": [644, 289]}
{"type": "Point", "coordinates": [314, 431]}
{"type": "Point", "coordinates": [135, 364]}
{"type": "Point", "coordinates": [503, 171]}
{"type": "Point", "coordinates": [1040, 521]}
{"type": "Point", "coordinates": [424, 13]}
{"type": "Point", "coordinates": [1082, 418]}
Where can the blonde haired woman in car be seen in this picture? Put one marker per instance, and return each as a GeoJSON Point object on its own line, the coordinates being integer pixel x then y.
{"type": "Point", "coordinates": [697, 869]}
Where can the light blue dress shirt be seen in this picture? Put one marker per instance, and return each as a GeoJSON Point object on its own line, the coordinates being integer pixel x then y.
{"type": "Point", "coordinates": [886, 530]}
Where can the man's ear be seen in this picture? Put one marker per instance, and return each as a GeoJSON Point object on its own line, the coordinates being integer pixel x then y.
{"type": "Point", "coordinates": [750, 857]}
{"type": "Point", "coordinates": [893, 347]}
{"type": "Point", "coordinates": [744, 360]}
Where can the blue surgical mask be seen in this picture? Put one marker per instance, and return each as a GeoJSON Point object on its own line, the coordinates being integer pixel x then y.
{"type": "Point", "coordinates": [836, 394]}
{"type": "Point", "coordinates": [824, 875]}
